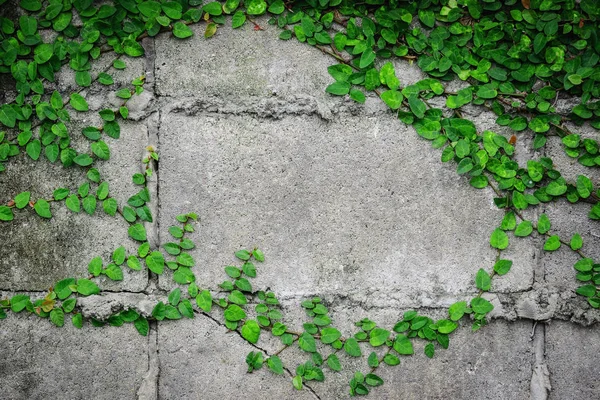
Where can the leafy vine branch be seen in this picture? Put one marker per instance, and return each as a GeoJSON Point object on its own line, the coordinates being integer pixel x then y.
{"type": "Point", "coordinates": [515, 58]}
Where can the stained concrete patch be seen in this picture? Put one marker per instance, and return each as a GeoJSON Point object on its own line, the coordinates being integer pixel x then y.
{"type": "Point", "coordinates": [40, 362]}
{"type": "Point", "coordinates": [199, 359]}
{"type": "Point", "coordinates": [572, 357]}
{"type": "Point", "coordinates": [36, 252]}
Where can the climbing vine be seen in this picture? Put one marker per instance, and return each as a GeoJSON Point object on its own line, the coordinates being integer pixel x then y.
{"type": "Point", "coordinates": [517, 58]}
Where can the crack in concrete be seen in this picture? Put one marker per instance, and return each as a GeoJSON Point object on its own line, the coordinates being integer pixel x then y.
{"type": "Point", "coordinates": [148, 389]}
{"type": "Point", "coordinates": [540, 380]}
{"type": "Point", "coordinates": [219, 323]}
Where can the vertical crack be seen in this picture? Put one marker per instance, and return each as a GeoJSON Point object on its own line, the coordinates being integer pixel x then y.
{"type": "Point", "coordinates": [149, 388]}
{"type": "Point", "coordinates": [539, 387]}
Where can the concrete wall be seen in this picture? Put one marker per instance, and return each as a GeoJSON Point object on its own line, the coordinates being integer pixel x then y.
{"type": "Point", "coordinates": [347, 202]}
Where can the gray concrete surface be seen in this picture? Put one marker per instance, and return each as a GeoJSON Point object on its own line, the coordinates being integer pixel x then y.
{"type": "Point", "coordinates": [347, 203]}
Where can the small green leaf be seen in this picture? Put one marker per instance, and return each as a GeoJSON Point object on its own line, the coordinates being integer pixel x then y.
{"type": "Point", "coordinates": [22, 199]}
{"type": "Point", "coordinates": [78, 102]}
{"type": "Point", "coordinates": [42, 208]}
{"type": "Point", "coordinates": [142, 326]}
{"type": "Point", "coordinates": [87, 287]}
{"type": "Point", "coordinates": [137, 232]}
{"type": "Point", "coordinates": [499, 239]}
{"type": "Point", "coordinates": [524, 229]}
{"type": "Point", "coordinates": [155, 262]}
{"type": "Point", "coordinates": [234, 313]}
{"type": "Point", "coordinates": [6, 213]}
{"type": "Point", "coordinates": [502, 266]}
{"type": "Point", "coordinates": [403, 345]}
{"type": "Point", "coordinates": [251, 331]}
{"type": "Point", "coordinates": [543, 224]}
{"type": "Point", "coordinates": [57, 316]}
{"type": "Point", "coordinates": [483, 280]}
{"type": "Point", "coordinates": [204, 300]}
{"type": "Point", "coordinates": [552, 243]}
{"type": "Point", "coordinates": [576, 242]}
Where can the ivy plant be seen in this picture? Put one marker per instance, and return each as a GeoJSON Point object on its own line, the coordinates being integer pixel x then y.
{"type": "Point", "coordinates": [516, 58]}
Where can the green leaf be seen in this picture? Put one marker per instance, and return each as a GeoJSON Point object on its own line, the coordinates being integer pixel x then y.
{"type": "Point", "coordinates": [373, 361]}
{"type": "Point", "coordinates": [186, 260]}
{"type": "Point", "coordinates": [446, 327]}
{"type": "Point", "coordinates": [42, 208]}
{"type": "Point", "coordinates": [234, 313]}
{"type": "Point", "coordinates": [95, 266]}
{"type": "Point", "coordinates": [86, 287]}
{"type": "Point", "coordinates": [502, 266]}
{"type": "Point", "coordinates": [338, 88]}
{"type": "Point", "coordinates": [204, 300]}
{"type": "Point", "coordinates": [417, 106]}
{"type": "Point", "coordinates": [137, 232]}
{"type": "Point", "coordinates": [552, 243]}
{"type": "Point", "coordinates": [181, 30]}
{"type": "Point", "coordinates": [333, 362]}
{"type": "Point", "coordinates": [73, 203]}
{"type": "Point", "coordinates": [479, 181]}
{"type": "Point", "coordinates": [114, 272]}
{"type": "Point", "coordinates": [142, 326]}
{"type": "Point", "coordinates": [19, 302]}
{"type": "Point", "coordinates": [8, 116]}
{"type": "Point", "coordinates": [486, 92]}
{"type": "Point", "coordinates": [297, 382]}
{"type": "Point", "coordinates": [243, 255]}
{"type": "Point", "coordinates": [34, 149]}
{"type": "Point", "coordinates": [392, 98]}
{"type": "Point", "coordinates": [483, 280]}
{"type": "Point", "coordinates": [238, 19]}
{"type": "Point", "coordinates": [584, 186]}
{"type": "Point", "coordinates": [185, 308]}
{"type": "Point", "coordinates": [256, 7]}
{"type": "Point", "coordinates": [251, 331]}
{"type": "Point", "coordinates": [274, 363]}
{"type": "Point", "coordinates": [83, 160]}
{"type": "Point", "coordinates": [481, 305]}
{"type": "Point", "coordinates": [174, 296]}
{"type": "Point", "coordinates": [63, 288]}
{"type": "Point", "coordinates": [403, 345]}
{"type": "Point", "coordinates": [155, 262]}
{"type": "Point", "coordinates": [57, 316]}
{"type": "Point", "coordinates": [330, 335]}
{"type": "Point", "coordinates": [69, 305]}
{"type": "Point", "coordinates": [576, 242]}
{"type": "Point", "coordinates": [367, 58]}
{"type": "Point", "coordinates": [378, 336]}
{"type": "Point", "coordinates": [6, 213]}
{"type": "Point", "coordinates": [524, 229]}
{"type": "Point", "coordinates": [352, 348]}
{"type": "Point", "coordinates": [77, 321]}
{"type": "Point", "coordinates": [586, 290]}
{"type": "Point", "coordinates": [457, 310]}
{"type": "Point", "coordinates": [307, 343]}
{"type": "Point", "coordinates": [340, 72]}
{"type": "Point", "coordinates": [543, 224]}
{"type": "Point", "coordinates": [499, 239]}
{"type": "Point", "coordinates": [584, 265]}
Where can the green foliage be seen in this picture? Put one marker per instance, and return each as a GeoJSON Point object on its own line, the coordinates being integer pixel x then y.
{"type": "Point", "coordinates": [499, 51]}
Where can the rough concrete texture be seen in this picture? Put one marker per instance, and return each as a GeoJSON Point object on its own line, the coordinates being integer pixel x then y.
{"type": "Point", "coordinates": [100, 363]}
{"type": "Point", "coordinates": [348, 204]}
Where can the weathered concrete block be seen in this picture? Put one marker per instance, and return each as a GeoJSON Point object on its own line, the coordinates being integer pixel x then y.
{"type": "Point", "coordinates": [41, 361]}
{"type": "Point", "coordinates": [572, 357]}
{"type": "Point", "coordinates": [357, 205]}
{"type": "Point", "coordinates": [239, 63]}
